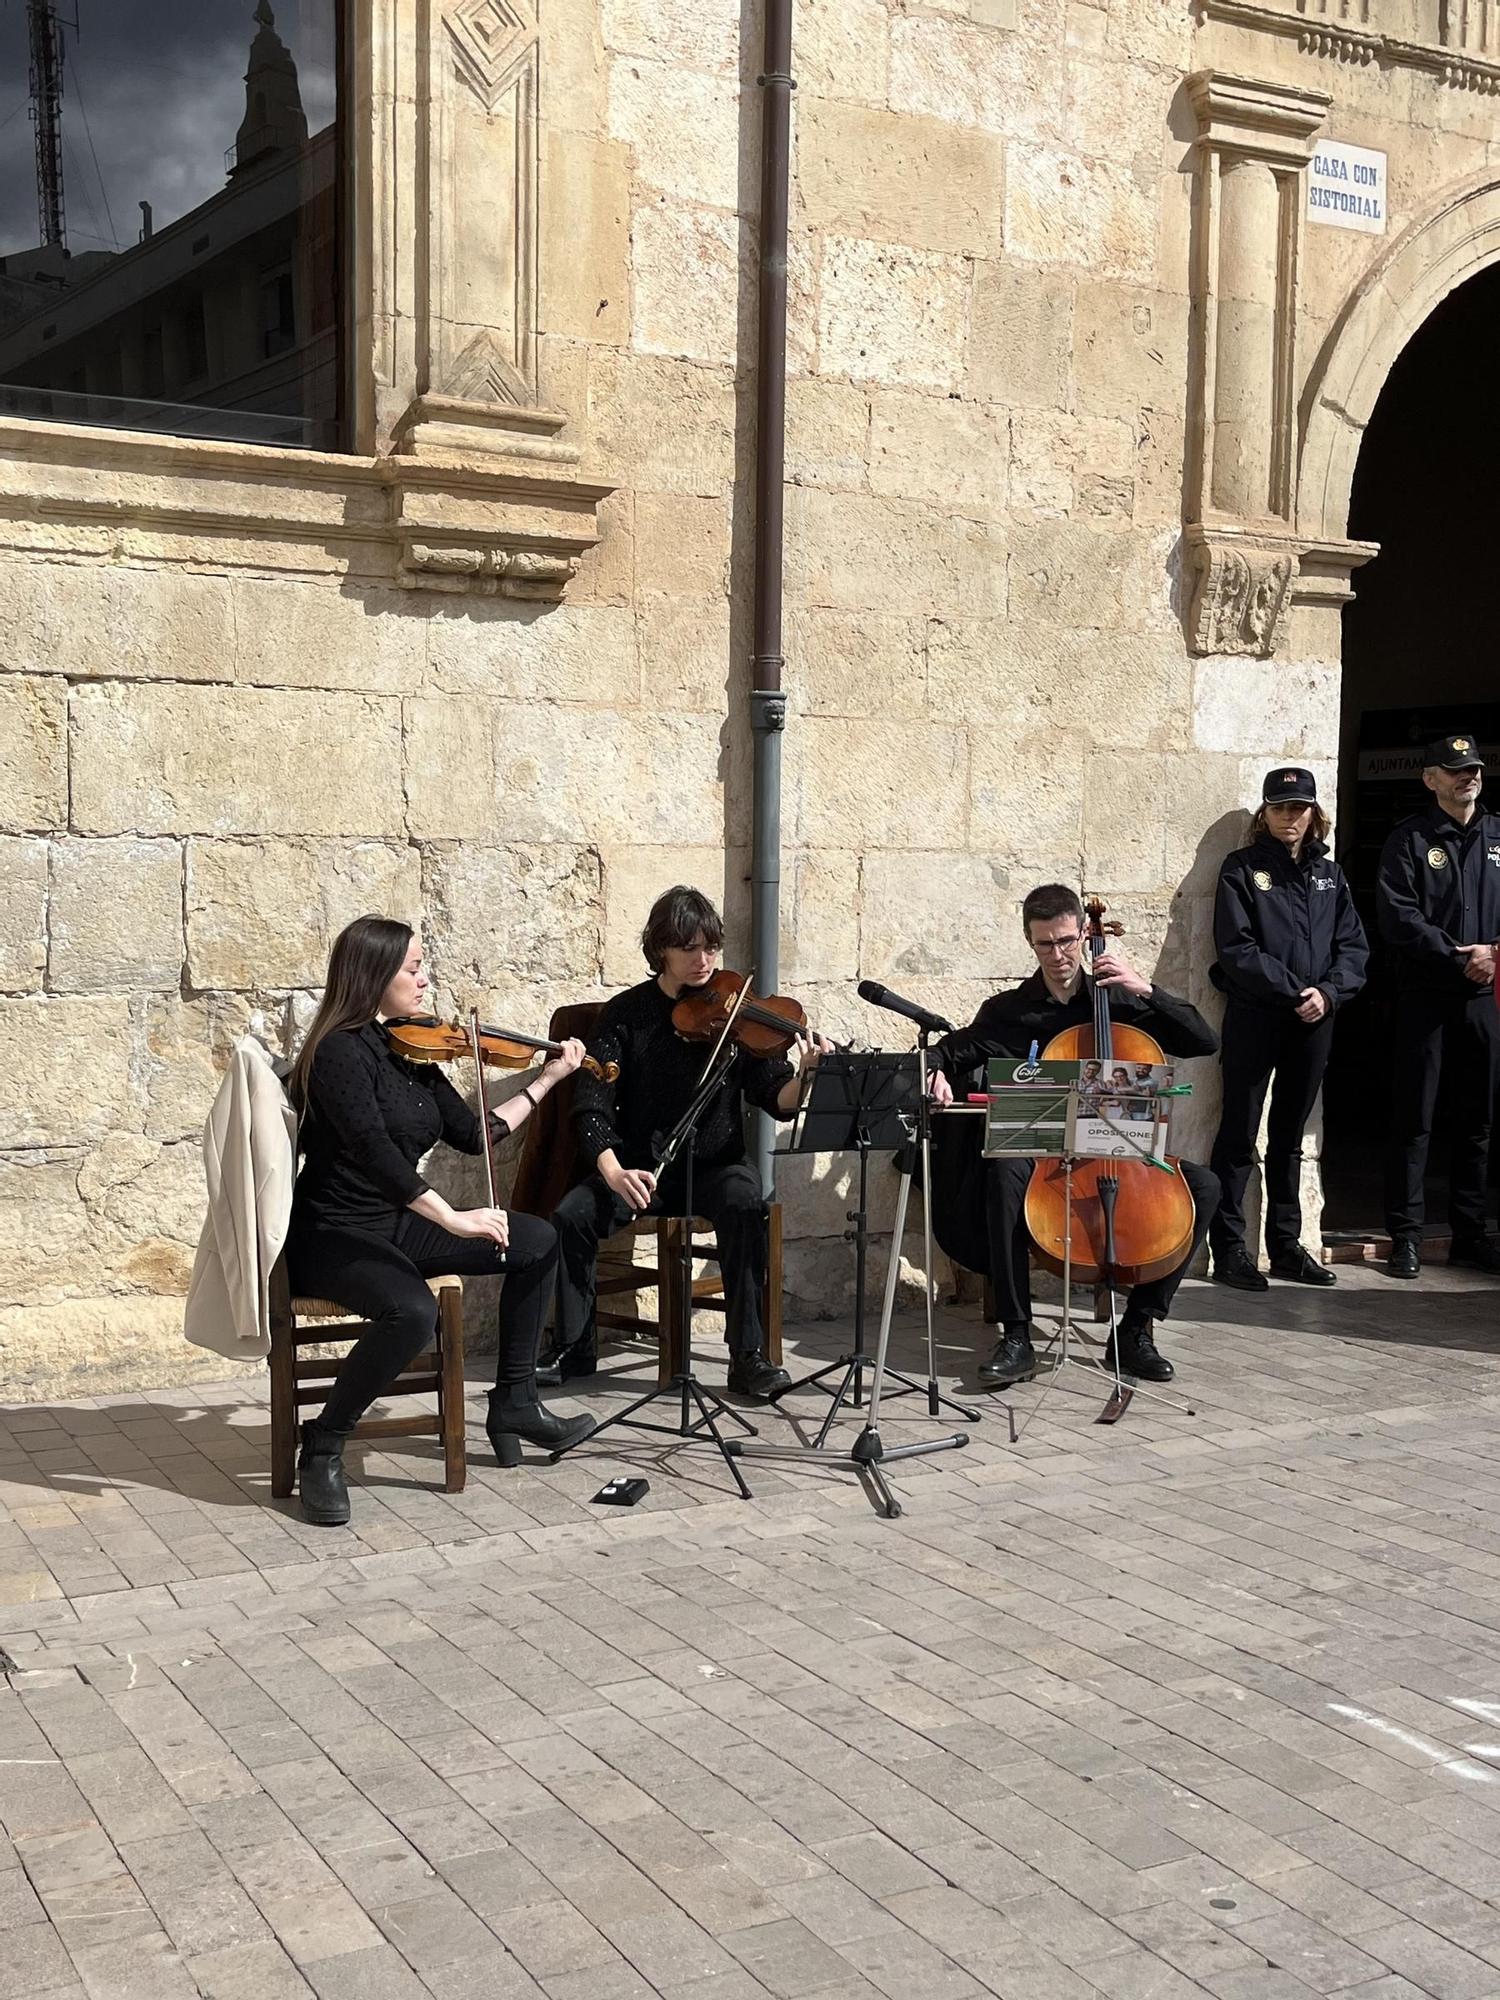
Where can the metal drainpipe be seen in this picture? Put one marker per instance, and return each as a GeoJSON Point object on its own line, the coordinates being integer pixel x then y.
{"type": "Point", "coordinates": [767, 700]}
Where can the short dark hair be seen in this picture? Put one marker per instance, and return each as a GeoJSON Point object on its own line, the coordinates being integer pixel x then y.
{"type": "Point", "coordinates": [676, 919]}
{"type": "Point", "coordinates": [1044, 905]}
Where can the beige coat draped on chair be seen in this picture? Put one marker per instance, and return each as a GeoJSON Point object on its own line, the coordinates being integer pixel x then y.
{"type": "Point", "coordinates": [250, 1160]}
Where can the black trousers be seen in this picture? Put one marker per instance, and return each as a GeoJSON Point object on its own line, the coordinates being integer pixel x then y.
{"type": "Point", "coordinates": [1010, 1246]}
{"type": "Point", "coordinates": [1257, 1045]}
{"type": "Point", "coordinates": [728, 1197]}
{"type": "Point", "coordinates": [1452, 1040]}
{"type": "Point", "coordinates": [383, 1278]}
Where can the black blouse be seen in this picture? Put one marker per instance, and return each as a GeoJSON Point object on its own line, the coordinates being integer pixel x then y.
{"type": "Point", "coordinates": [371, 1115]}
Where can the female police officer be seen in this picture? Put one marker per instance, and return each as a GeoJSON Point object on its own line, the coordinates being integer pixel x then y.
{"type": "Point", "coordinates": [1291, 949]}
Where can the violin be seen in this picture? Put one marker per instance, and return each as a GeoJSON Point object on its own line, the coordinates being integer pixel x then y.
{"type": "Point", "coordinates": [762, 1025]}
{"type": "Point", "coordinates": [1131, 1222]}
{"type": "Point", "coordinates": [423, 1038]}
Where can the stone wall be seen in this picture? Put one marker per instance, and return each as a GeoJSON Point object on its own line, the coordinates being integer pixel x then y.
{"type": "Point", "coordinates": [218, 742]}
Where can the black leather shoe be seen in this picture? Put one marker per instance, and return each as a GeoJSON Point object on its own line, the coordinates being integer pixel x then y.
{"type": "Point", "coordinates": [1405, 1260]}
{"type": "Point", "coordinates": [1479, 1253]}
{"type": "Point", "coordinates": [1300, 1267]}
{"type": "Point", "coordinates": [563, 1363]}
{"type": "Point", "coordinates": [1138, 1355]}
{"type": "Point", "coordinates": [1237, 1268]}
{"type": "Point", "coordinates": [1014, 1360]}
{"type": "Point", "coordinates": [517, 1416]}
{"type": "Point", "coordinates": [320, 1477]}
{"type": "Point", "coordinates": [753, 1376]}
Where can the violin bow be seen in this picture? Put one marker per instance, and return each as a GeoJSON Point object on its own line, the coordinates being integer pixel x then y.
{"type": "Point", "coordinates": [484, 1116]}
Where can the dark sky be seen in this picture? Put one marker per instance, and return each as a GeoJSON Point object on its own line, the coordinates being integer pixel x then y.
{"type": "Point", "coordinates": [157, 86]}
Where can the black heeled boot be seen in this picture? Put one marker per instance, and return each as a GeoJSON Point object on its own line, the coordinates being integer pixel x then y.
{"type": "Point", "coordinates": [320, 1477]}
{"type": "Point", "coordinates": [582, 1358]}
{"type": "Point", "coordinates": [518, 1417]}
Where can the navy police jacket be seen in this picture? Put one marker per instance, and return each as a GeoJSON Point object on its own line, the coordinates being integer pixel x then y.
{"type": "Point", "coordinates": [1282, 925]}
{"type": "Point", "coordinates": [1439, 887]}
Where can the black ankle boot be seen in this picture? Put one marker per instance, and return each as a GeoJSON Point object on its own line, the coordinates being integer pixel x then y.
{"type": "Point", "coordinates": [1138, 1353]}
{"type": "Point", "coordinates": [581, 1358]}
{"type": "Point", "coordinates": [320, 1476]}
{"type": "Point", "coordinates": [753, 1376]}
{"type": "Point", "coordinates": [518, 1417]}
{"type": "Point", "coordinates": [1013, 1361]}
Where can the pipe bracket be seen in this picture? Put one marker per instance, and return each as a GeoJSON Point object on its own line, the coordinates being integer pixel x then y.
{"type": "Point", "coordinates": [767, 710]}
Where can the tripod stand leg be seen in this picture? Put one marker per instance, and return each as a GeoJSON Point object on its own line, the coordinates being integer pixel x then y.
{"type": "Point", "coordinates": [936, 1400]}
{"type": "Point", "coordinates": [706, 1421]}
{"type": "Point", "coordinates": [872, 1476]}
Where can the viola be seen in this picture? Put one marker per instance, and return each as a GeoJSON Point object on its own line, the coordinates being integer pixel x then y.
{"type": "Point", "coordinates": [423, 1038]}
{"type": "Point", "coordinates": [761, 1024]}
{"type": "Point", "coordinates": [1131, 1222]}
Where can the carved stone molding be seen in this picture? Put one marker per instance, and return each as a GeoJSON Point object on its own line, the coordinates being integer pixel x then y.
{"type": "Point", "coordinates": [1255, 119]}
{"type": "Point", "coordinates": [493, 43]}
{"type": "Point", "coordinates": [494, 571]}
{"type": "Point", "coordinates": [1445, 60]}
{"type": "Point", "coordinates": [478, 137]}
{"type": "Point", "coordinates": [1339, 45]}
{"type": "Point", "coordinates": [516, 534]}
{"type": "Point", "coordinates": [1325, 570]}
{"type": "Point", "coordinates": [1241, 590]}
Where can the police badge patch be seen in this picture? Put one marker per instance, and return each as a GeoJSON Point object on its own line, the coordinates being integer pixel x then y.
{"type": "Point", "coordinates": [1261, 879]}
{"type": "Point", "coordinates": [1436, 858]}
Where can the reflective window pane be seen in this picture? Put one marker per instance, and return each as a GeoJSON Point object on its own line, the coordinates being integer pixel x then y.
{"type": "Point", "coordinates": [170, 200]}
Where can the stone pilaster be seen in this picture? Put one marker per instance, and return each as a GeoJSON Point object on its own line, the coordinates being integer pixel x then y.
{"type": "Point", "coordinates": [1254, 142]}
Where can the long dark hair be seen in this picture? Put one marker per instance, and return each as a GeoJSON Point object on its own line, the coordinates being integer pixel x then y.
{"type": "Point", "coordinates": [366, 957]}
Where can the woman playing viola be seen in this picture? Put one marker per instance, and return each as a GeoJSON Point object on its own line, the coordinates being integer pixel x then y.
{"type": "Point", "coordinates": [368, 1232]}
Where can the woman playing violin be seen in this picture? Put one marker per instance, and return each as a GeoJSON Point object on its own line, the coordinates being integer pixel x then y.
{"type": "Point", "coordinates": [368, 1232]}
{"type": "Point", "coordinates": [620, 1125]}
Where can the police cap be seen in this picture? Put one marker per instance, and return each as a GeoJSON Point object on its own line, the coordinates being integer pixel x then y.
{"type": "Point", "coordinates": [1289, 784]}
{"type": "Point", "coordinates": [1453, 753]}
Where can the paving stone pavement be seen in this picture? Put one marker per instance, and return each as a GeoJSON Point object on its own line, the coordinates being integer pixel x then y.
{"type": "Point", "coordinates": [1200, 1704]}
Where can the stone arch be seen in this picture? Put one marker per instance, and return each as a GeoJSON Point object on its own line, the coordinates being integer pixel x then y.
{"type": "Point", "coordinates": [1452, 241]}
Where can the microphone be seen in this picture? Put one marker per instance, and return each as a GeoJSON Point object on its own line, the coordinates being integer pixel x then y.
{"type": "Point", "coordinates": [882, 996]}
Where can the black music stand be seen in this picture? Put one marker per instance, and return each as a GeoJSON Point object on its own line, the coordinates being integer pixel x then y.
{"type": "Point", "coordinates": [856, 1104]}
{"type": "Point", "coordinates": [685, 1385]}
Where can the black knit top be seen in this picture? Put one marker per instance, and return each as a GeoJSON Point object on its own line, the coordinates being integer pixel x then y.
{"type": "Point", "coordinates": [371, 1115]}
{"type": "Point", "coordinates": [659, 1073]}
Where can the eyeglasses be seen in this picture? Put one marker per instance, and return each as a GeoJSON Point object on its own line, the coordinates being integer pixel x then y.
{"type": "Point", "coordinates": [1057, 944]}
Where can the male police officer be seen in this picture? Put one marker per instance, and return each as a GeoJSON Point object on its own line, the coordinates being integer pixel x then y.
{"type": "Point", "coordinates": [1438, 900]}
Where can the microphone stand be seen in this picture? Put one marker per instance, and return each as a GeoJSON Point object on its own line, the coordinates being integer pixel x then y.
{"type": "Point", "coordinates": [869, 1112]}
{"type": "Point", "coordinates": [868, 1454]}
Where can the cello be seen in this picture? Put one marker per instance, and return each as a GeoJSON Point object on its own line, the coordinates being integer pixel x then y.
{"type": "Point", "coordinates": [1131, 1220]}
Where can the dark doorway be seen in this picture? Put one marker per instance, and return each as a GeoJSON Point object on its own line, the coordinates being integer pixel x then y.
{"type": "Point", "coordinates": [1419, 661]}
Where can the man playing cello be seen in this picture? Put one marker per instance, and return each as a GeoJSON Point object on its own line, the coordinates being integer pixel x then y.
{"type": "Point", "coordinates": [983, 1215]}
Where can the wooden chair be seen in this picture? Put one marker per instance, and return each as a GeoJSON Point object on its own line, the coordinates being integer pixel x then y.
{"type": "Point", "coordinates": [297, 1380]}
{"type": "Point", "coordinates": [549, 1169]}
